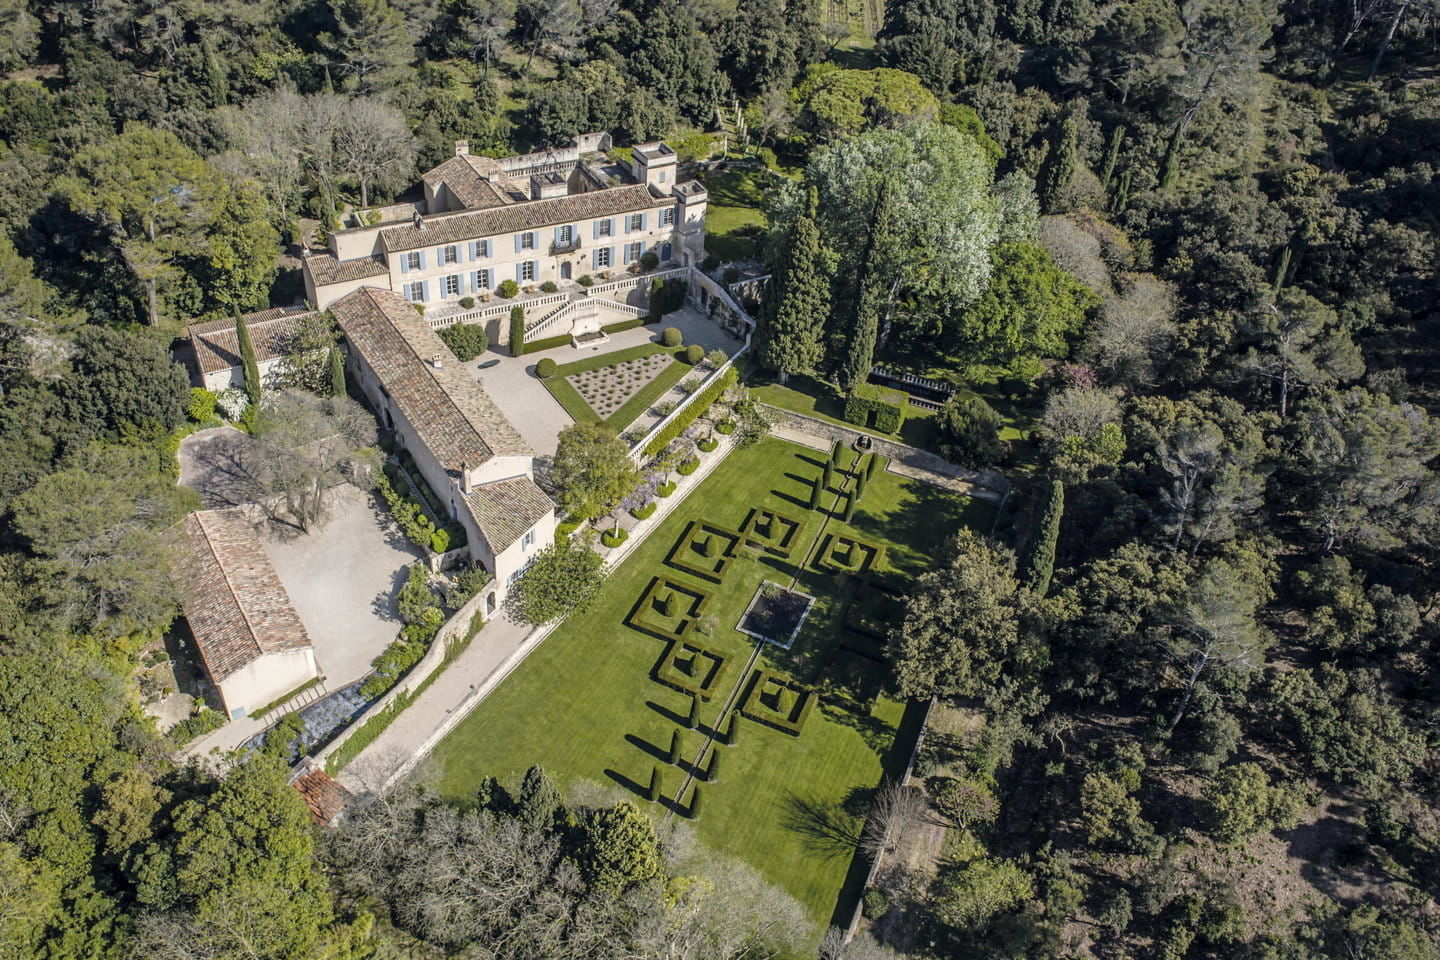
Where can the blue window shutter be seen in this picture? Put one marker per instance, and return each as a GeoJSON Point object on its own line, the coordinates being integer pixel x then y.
{"type": "Point", "coordinates": [424, 290]}
{"type": "Point", "coordinates": [626, 221]}
{"type": "Point", "coordinates": [595, 230]}
{"type": "Point", "coordinates": [644, 217]}
{"type": "Point", "coordinates": [559, 233]}
{"type": "Point", "coordinates": [517, 242]}
{"type": "Point", "coordinates": [519, 272]}
{"type": "Point", "coordinates": [404, 263]}
{"type": "Point", "coordinates": [422, 259]}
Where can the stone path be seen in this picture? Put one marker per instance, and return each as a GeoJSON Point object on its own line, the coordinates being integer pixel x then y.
{"type": "Point", "coordinates": [907, 461]}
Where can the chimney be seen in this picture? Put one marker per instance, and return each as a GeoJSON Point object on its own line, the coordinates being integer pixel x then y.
{"type": "Point", "coordinates": [464, 479]}
{"type": "Point", "coordinates": [462, 148]}
{"type": "Point", "coordinates": [437, 361]}
{"type": "Point", "coordinates": [418, 221]}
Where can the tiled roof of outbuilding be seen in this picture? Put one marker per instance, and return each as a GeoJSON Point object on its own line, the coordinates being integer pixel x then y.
{"type": "Point", "coordinates": [453, 415]}
{"type": "Point", "coordinates": [471, 224]}
{"type": "Point", "coordinates": [237, 608]}
{"type": "Point", "coordinates": [505, 509]}
{"type": "Point", "coordinates": [325, 269]}
{"type": "Point", "coordinates": [216, 348]}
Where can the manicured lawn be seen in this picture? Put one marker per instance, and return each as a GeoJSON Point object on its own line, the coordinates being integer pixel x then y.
{"type": "Point", "coordinates": [735, 215]}
{"type": "Point", "coordinates": [585, 705]}
{"type": "Point", "coordinates": [818, 399]}
{"type": "Point", "coordinates": [569, 398]}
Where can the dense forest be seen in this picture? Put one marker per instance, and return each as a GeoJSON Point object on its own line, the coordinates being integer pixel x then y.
{"type": "Point", "coordinates": [1180, 258]}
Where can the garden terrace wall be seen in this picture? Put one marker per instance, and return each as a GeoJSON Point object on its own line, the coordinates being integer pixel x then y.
{"type": "Point", "coordinates": [451, 631]}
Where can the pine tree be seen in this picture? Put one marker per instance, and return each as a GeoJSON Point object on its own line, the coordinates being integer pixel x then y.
{"type": "Point", "coordinates": [249, 366]}
{"type": "Point", "coordinates": [1039, 562]}
{"type": "Point", "coordinates": [517, 331]}
{"type": "Point", "coordinates": [792, 325]}
{"type": "Point", "coordinates": [336, 365]}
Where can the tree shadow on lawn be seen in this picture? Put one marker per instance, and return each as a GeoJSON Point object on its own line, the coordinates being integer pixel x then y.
{"type": "Point", "coordinates": [918, 530]}
{"type": "Point", "coordinates": [624, 782]}
{"type": "Point", "coordinates": [655, 753]}
{"type": "Point", "coordinates": [826, 829]}
{"type": "Point", "coordinates": [666, 712]}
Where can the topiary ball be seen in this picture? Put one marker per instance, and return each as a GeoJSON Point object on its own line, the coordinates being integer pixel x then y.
{"type": "Point", "coordinates": [545, 369]}
{"type": "Point", "coordinates": [694, 354]}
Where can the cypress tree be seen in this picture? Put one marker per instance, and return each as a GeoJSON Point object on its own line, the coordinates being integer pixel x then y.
{"type": "Point", "coordinates": [1039, 562]}
{"type": "Point", "coordinates": [652, 793]}
{"type": "Point", "coordinates": [1060, 169]}
{"type": "Point", "coordinates": [215, 75]}
{"type": "Point", "coordinates": [674, 746]}
{"type": "Point", "coordinates": [816, 489]}
{"type": "Point", "coordinates": [859, 487]}
{"type": "Point", "coordinates": [657, 301]}
{"type": "Point", "coordinates": [871, 465]}
{"type": "Point", "coordinates": [712, 772]}
{"type": "Point", "coordinates": [1112, 155]}
{"type": "Point", "coordinates": [731, 729]}
{"type": "Point", "coordinates": [694, 715]}
{"type": "Point", "coordinates": [837, 449]}
{"type": "Point", "coordinates": [869, 297]}
{"type": "Point", "coordinates": [694, 813]}
{"type": "Point", "coordinates": [827, 479]}
{"type": "Point", "coordinates": [517, 331]}
{"type": "Point", "coordinates": [791, 333]}
{"type": "Point", "coordinates": [249, 366]}
{"type": "Point", "coordinates": [336, 366]}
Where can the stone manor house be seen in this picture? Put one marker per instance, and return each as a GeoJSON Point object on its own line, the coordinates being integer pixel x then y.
{"type": "Point", "coordinates": [553, 216]}
{"type": "Point", "coordinates": [543, 217]}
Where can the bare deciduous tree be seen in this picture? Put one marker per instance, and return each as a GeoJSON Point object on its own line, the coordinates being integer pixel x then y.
{"type": "Point", "coordinates": [1133, 330]}
{"type": "Point", "coordinates": [896, 810]}
{"type": "Point", "coordinates": [373, 146]}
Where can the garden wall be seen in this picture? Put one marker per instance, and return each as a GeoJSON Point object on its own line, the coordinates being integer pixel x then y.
{"type": "Point", "coordinates": [450, 631]}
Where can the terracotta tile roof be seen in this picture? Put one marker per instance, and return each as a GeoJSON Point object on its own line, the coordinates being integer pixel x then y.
{"type": "Point", "coordinates": [505, 509]}
{"type": "Point", "coordinates": [470, 224]}
{"type": "Point", "coordinates": [325, 269]}
{"type": "Point", "coordinates": [323, 794]}
{"type": "Point", "coordinates": [447, 407]}
{"type": "Point", "coordinates": [465, 177]}
{"type": "Point", "coordinates": [233, 599]}
{"type": "Point", "coordinates": [270, 331]}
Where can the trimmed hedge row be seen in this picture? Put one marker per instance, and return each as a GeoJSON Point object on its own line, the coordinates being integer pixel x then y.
{"type": "Point", "coordinates": [876, 407]}
{"type": "Point", "coordinates": [623, 325]}
{"type": "Point", "coordinates": [702, 402]}
{"type": "Point", "coordinates": [791, 721]}
{"type": "Point", "coordinates": [549, 343]}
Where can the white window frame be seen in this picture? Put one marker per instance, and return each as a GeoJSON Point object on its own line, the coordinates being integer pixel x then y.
{"type": "Point", "coordinates": [602, 258]}
{"type": "Point", "coordinates": [527, 241]}
{"type": "Point", "coordinates": [527, 541]}
{"type": "Point", "coordinates": [482, 248]}
{"type": "Point", "coordinates": [667, 217]}
{"type": "Point", "coordinates": [527, 271]}
{"type": "Point", "coordinates": [484, 279]}
{"type": "Point", "coordinates": [606, 227]}
{"type": "Point", "coordinates": [450, 254]}
{"type": "Point", "coordinates": [451, 286]}
{"type": "Point", "coordinates": [415, 291]}
{"type": "Point", "coordinates": [637, 222]}
{"type": "Point", "coordinates": [412, 260]}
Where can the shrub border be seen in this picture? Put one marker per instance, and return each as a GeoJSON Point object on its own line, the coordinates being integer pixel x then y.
{"type": "Point", "coordinates": [667, 675]}
{"type": "Point", "coordinates": [638, 618]}
{"type": "Point", "coordinates": [785, 545]}
{"type": "Point", "coordinates": [727, 556]}
{"type": "Point", "coordinates": [823, 561]}
{"type": "Point", "coordinates": [752, 709]}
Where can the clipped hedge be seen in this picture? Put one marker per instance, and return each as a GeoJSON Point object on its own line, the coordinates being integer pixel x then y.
{"type": "Point", "coordinates": [876, 407]}
{"type": "Point", "coordinates": [549, 343]}
{"type": "Point", "coordinates": [623, 325]}
{"type": "Point", "coordinates": [697, 407]}
{"type": "Point", "coordinates": [687, 467]}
